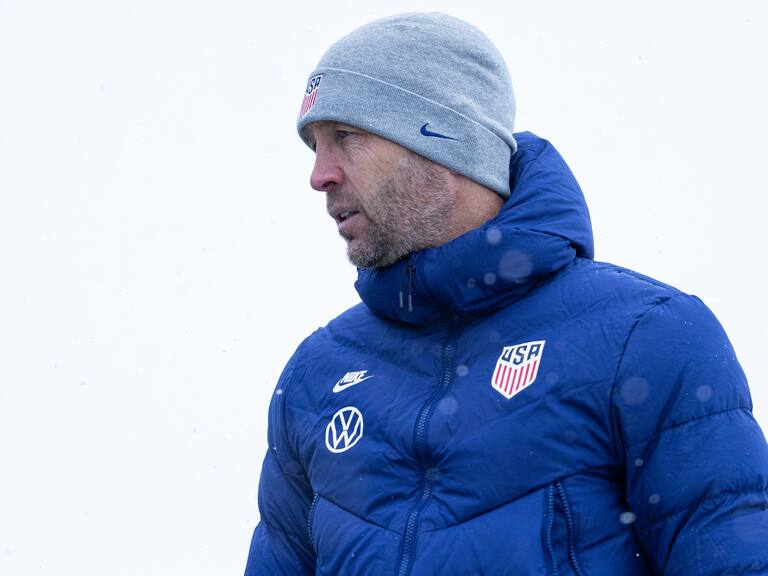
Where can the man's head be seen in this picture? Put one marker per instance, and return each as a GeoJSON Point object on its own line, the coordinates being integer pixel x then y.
{"type": "Point", "coordinates": [431, 98]}
{"type": "Point", "coordinates": [388, 201]}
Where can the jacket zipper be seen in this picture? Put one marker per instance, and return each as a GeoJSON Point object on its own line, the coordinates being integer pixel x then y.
{"type": "Point", "coordinates": [560, 489]}
{"type": "Point", "coordinates": [408, 548]}
{"type": "Point", "coordinates": [557, 489]}
{"type": "Point", "coordinates": [548, 531]}
{"type": "Point", "coordinates": [310, 516]}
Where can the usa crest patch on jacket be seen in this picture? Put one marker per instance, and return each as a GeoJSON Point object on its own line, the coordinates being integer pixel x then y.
{"type": "Point", "coordinates": [517, 367]}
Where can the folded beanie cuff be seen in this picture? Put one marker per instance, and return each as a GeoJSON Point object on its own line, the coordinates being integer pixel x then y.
{"type": "Point", "coordinates": [419, 124]}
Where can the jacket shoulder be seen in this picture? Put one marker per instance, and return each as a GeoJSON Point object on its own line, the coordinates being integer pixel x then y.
{"type": "Point", "coordinates": [333, 343]}
{"type": "Point", "coordinates": [344, 328]}
{"type": "Point", "coordinates": [610, 277]}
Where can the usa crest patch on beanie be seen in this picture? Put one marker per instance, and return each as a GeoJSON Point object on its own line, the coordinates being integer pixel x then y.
{"type": "Point", "coordinates": [428, 81]}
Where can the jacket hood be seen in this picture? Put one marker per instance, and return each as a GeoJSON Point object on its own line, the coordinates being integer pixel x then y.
{"type": "Point", "coordinates": [543, 226]}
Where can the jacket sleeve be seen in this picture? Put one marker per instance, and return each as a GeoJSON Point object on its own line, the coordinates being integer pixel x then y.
{"type": "Point", "coordinates": [280, 543]}
{"type": "Point", "coordinates": [696, 460]}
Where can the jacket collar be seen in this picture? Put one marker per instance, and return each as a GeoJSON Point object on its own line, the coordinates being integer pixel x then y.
{"type": "Point", "coordinates": [542, 227]}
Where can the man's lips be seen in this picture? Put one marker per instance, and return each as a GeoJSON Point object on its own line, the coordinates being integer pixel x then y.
{"type": "Point", "coordinates": [342, 214]}
{"type": "Point", "coordinates": [351, 225]}
{"type": "Point", "coordinates": [348, 221]}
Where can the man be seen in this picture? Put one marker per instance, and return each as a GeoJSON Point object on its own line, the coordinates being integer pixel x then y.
{"type": "Point", "coordinates": [499, 403]}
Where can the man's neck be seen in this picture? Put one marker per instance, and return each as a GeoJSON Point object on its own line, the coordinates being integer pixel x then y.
{"type": "Point", "coordinates": [475, 205]}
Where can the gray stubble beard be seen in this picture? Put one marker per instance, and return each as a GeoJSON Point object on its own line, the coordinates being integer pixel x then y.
{"type": "Point", "coordinates": [409, 212]}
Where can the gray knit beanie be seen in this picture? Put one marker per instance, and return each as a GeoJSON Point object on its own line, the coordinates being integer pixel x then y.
{"type": "Point", "coordinates": [427, 81]}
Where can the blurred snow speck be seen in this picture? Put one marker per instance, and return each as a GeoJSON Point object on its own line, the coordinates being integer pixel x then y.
{"type": "Point", "coordinates": [462, 370]}
{"type": "Point", "coordinates": [490, 279]}
{"type": "Point", "coordinates": [654, 499]}
{"type": "Point", "coordinates": [448, 405]}
{"type": "Point", "coordinates": [634, 391]}
{"type": "Point", "coordinates": [639, 462]}
{"type": "Point", "coordinates": [493, 236]}
{"type": "Point", "coordinates": [279, 391]}
{"type": "Point", "coordinates": [704, 392]}
{"type": "Point", "coordinates": [627, 518]}
{"type": "Point", "coordinates": [515, 266]}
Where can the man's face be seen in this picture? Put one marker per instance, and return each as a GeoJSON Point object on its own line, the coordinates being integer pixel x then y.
{"type": "Point", "coordinates": [386, 200]}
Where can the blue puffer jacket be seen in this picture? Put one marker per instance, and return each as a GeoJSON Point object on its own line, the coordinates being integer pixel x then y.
{"type": "Point", "coordinates": [531, 412]}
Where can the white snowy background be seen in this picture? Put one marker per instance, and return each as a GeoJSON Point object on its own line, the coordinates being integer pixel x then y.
{"type": "Point", "coordinates": [162, 253]}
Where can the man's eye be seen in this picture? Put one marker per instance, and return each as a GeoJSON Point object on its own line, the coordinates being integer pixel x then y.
{"type": "Point", "coordinates": [341, 134]}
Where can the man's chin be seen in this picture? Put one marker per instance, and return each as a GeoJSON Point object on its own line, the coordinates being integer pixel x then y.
{"type": "Point", "coordinates": [367, 256]}
{"type": "Point", "coordinates": [362, 254]}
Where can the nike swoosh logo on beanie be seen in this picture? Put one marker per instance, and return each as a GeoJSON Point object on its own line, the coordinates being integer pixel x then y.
{"type": "Point", "coordinates": [434, 134]}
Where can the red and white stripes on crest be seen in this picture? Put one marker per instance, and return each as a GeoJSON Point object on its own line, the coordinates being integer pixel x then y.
{"type": "Point", "coordinates": [310, 95]}
{"type": "Point", "coordinates": [309, 100]}
{"type": "Point", "coordinates": [510, 380]}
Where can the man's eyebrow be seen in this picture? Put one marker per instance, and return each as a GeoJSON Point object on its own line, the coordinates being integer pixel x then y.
{"type": "Point", "coordinates": [338, 124]}
{"type": "Point", "coordinates": [317, 125]}
{"type": "Point", "coordinates": [333, 124]}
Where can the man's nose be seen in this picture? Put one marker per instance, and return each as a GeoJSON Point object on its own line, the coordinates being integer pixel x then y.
{"type": "Point", "coordinates": [326, 174]}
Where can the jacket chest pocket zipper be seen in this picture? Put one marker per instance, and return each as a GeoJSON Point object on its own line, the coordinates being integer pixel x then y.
{"type": "Point", "coordinates": [557, 506]}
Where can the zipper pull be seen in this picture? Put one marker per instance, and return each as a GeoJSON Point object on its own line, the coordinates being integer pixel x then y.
{"type": "Point", "coordinates": [409, 268]}
{"type": "Point", "coordinates": [401, 290]}
{"type": "Point", "coordinates": [410, 285]}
